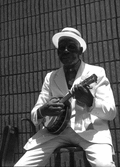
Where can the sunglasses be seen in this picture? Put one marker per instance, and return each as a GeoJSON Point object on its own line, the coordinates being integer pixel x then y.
{"type": "Point", "coordinates": [70, 47]}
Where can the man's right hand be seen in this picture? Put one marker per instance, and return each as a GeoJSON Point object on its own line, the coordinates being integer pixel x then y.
{"type": "Point", "coordinates": [52, 108]}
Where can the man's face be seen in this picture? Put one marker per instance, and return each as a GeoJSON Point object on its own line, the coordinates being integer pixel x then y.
{"type": "Point", "coordinates": [68, 50]}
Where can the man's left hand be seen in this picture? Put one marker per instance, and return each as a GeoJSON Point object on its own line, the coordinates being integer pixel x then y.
{"type": "Point", "coordinates": [83, 95]}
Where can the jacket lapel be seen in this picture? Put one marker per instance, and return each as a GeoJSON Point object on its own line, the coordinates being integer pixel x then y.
{"type": "Point", "coordinates": [81, 74]}
{"type": "Point", "coordinates": [60, 81]}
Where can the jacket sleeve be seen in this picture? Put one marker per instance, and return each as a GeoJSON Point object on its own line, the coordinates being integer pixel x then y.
{"type": "Point", "coordinates": [104, 103]}
{"type": "Point", "coordinates": [43, 97]}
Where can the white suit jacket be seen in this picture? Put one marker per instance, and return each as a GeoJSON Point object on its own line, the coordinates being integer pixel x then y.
{"type": "Point", "coordinates": [90, 123]}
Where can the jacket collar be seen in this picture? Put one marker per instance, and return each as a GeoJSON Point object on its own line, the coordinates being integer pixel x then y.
{"type": "Point", "coordinates": [61, 81]}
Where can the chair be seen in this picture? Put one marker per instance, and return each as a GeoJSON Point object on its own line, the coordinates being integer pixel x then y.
{"type": "Point", "coordinates": [8, 145]}
{"type": "Point", "coordinates": [71, 150]}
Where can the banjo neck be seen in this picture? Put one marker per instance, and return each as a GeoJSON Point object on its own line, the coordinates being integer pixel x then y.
{"type": "Point", "coordinates": [66, 97]}
{"type": "Point", "coordinates": [86, 82]}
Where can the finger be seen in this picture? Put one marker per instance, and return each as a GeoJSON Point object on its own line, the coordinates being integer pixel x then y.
{"type": "Point", "coordinates": [54, 100]}
{"type": "Point", "coordinates": [54, 108]}
{"type": "Point", "coordinates": [63, 110]}
{"type": "Point", "coordinates": [83, 90]}
{"type": "Point", "coordinates": [56, 112]}
{"type": "Point", "coordinates": [75, 89]}
{"type": "Point", "coordinates": [58, 105]}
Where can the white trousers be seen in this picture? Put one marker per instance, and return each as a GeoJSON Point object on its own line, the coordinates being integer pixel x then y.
{"type": "Point", "coordinates": [98, 155]}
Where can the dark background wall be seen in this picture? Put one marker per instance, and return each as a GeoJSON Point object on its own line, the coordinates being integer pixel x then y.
{"type": "Point", "coordinates": [27, 54]}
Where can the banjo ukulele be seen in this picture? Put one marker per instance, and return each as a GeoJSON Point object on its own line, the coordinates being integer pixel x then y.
{"type": "Point", "coordinates": [56, 124]}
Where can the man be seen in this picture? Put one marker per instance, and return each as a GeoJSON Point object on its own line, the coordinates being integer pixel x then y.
{"type": "Point", "coordinates": [91, 106]}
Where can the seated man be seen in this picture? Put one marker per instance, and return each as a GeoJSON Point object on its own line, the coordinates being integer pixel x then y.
{"type": "Point", "coordinates": [90, 107]}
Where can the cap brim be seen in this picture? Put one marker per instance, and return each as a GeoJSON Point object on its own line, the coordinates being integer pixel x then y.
{"type": "Point", "coordinates": [55, 39]}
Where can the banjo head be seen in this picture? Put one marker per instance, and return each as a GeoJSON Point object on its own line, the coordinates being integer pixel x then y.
{"type": "Point", "coordinates": [56, 124]}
